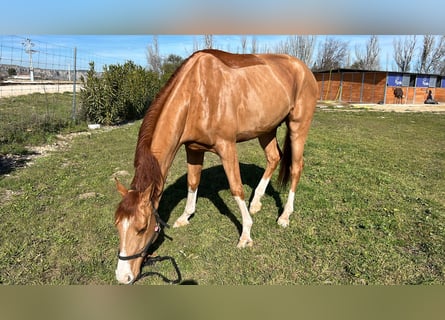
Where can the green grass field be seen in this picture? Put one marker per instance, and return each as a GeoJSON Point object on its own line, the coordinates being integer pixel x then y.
{"type": "Point", "coordinates": [370, 209]}
{"type": "Point", "coordinates": [33, 119]}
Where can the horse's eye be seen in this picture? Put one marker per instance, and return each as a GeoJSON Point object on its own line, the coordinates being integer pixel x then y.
{"type": "Point", "coordinates": [142, 231]}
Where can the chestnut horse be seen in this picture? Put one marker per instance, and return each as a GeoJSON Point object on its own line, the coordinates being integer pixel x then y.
{"type": "Point", "coordinates": [214, 100]}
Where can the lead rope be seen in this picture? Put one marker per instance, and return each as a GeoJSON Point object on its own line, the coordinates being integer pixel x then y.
{"type": "Point", "coordinates": [151, 261]}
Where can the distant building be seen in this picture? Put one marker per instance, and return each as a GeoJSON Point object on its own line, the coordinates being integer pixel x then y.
{"type": "Point", "coordinates": [362, 86]}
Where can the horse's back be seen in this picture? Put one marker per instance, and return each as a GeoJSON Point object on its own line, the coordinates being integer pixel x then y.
{"type": "Point", "coordinates": [240, 61]}
{"type": "Point", "coordinates": [244, 95]}
{"type": "Point", "coordinates": [288, 71]}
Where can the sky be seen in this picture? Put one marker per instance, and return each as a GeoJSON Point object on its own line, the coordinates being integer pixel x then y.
{"type": "Point", "coordinates": [117, 31]}
{"type": "Point", "coordinates": [222, 17]}
{"type": "Point", "coordinates": [112, 49]}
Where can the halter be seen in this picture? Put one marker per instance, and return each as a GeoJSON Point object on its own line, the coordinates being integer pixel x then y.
{"type": "Point", "coordinates": [151, 260]}
{"type": "Point", "coordinates": [144, 252]}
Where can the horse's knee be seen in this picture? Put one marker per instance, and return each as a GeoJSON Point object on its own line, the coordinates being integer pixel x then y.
{"type": "Point", "coordinates": [237, 191]}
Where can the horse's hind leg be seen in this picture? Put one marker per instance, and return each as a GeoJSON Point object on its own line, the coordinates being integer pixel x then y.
{"type": "Point", "coordinates": [298, 127]}
{"type": "Point", "coordinates": [194, 168]}
{"type": "Point", "coordinates": [273, 155]}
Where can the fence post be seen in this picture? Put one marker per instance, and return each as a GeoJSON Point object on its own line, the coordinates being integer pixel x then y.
{"type": "Point", "coordinates": [74, 85]}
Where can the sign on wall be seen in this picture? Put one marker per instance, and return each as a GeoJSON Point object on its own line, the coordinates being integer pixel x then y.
{"type": "Point", "coordinates": [425, 81]}
{"type": "Point", "coordinates": [398, 80]}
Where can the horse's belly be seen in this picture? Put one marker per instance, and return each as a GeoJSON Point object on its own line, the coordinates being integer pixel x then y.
{"type": "Point", "coordinates": [256, 121]}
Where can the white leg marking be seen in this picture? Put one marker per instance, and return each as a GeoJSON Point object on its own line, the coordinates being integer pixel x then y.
{"type": "Point", "coordinates": [123, 270]}
{"type": "Point", "coordinates": [255, 205]}
{"type": "Point", "coordinates": [283, 220]}
{"type": "Point", "coordinates": [190, 208]}
{"type": "Point", "coordinates": [245, 239]}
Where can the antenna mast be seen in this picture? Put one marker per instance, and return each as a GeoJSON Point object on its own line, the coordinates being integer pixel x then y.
{"type": "Point", "coordinates": [27, 44]}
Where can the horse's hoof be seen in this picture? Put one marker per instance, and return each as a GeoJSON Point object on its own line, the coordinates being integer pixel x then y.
{"type": "Point", "coordinates": [283, 222]}
{"type": "Point", "coordinates": [243, 243]}
{"type": "Point", "coordinates": [180, 223]}
{"type": "Point", "coordinates": [254, 208]}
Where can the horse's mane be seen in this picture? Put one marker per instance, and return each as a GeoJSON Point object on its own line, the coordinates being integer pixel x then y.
{"type": "Point", "coordinates": [147, 169]}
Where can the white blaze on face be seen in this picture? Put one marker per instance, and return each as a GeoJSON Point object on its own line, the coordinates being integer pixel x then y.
{"type": "Point", "coordinates": [123, 270]}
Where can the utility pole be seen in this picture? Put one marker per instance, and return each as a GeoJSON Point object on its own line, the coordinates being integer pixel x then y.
{"type": "Point", "coordinates": [29, 50]}
{"type": "Point", "coordinates": [74, 85]}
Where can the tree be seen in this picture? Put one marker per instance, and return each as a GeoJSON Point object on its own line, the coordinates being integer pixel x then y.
{"type": "Point", "coordinates": [196, 45]}
{"type": "Point", "coordinates": [164, 68]}
{"type": "Point", "coordinates": [254, 48]}
{"type": "Point", "coordinates": [208, 41]}
{"type": "Point", "coordinates": [441, 67]}
{"type": "Point", "coordinates": [153, 58]}
{"type": "Point", "coordinates": [12, 72]}
{"type": "Point", "coordinates": [243, 40]}
{"type": "Point", "coordinates": [301, 47]}
{"type": "Point", "coordinates": [172, 62]}
{"type": "Point", "coordinates": [369, 59]}
{"type": "Point", "coordinates": [332, 54]}
{"type": "Point", "coordinates": [404, 52]}
{"type": "Point", "coordinates": [170, 65]}
{"type": "Point", "coordinates": [432, 55]}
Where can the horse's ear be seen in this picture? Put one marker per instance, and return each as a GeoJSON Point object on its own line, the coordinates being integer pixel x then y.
{"type": "Point", "coordinates": [120, 188]}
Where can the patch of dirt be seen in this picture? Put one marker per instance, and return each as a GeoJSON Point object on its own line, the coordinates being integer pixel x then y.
{"type": "Point", "coordinates": [12, 162]}
{"type": "Point", "coordinates": [89, 195]}
{"type": "Point", "coordinates": [120, 173]}
{"type": "Point", "coordinates": [8, 195]}
{"type": "Point", "coordinates": [434, 108]}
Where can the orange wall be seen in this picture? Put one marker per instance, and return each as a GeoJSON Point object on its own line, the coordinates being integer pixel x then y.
{"type": "Point", "coordinates": [416, 95]}
{"type": "Point", "coordinates": [368, 87]}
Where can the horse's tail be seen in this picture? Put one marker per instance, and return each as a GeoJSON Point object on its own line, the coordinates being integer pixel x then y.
{"type": "Point", "coordinates": [286, 161]}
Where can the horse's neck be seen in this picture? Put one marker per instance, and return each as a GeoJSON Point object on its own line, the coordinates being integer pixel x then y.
{"type": "Point", "coordinates": [157, 145]}
{"type": "Point", "coordinates": [160, 134]}
{"type": "Point", "coordinates": [166, 138]}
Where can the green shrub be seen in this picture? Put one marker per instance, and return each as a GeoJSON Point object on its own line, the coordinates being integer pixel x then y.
{"type": "Point", "coordinates": [121, 93]}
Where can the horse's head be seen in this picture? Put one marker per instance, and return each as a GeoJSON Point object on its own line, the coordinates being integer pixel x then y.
{"type": "Point", "coordinates": [138, 225]}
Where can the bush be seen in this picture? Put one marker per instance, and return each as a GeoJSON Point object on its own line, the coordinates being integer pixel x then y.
{"type": "Point", "coordinates": [121, 93]}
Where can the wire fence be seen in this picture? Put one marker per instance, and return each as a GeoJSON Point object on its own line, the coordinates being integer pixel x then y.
{"type": "Point", "coordinates": [29, 66]}
{"type": "Point", "coordinates": [39, 82]}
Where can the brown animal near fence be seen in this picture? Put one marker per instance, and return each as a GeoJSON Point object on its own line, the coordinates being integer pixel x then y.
{"type": "Point", "coordinates": [398, 95]}
{"type": "Point", "coordinates": [214, 100]}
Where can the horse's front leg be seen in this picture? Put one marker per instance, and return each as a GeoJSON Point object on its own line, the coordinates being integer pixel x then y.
{"type": "Point", "coordinates": [229, 158]}
{"type": "Point", "coordinates": [194, 168]}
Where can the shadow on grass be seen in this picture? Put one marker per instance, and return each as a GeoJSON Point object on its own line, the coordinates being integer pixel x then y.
{"type": "Point", "coordinates": [214, 180]}
{"type": "Point", "coordinates": [11, 162]}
